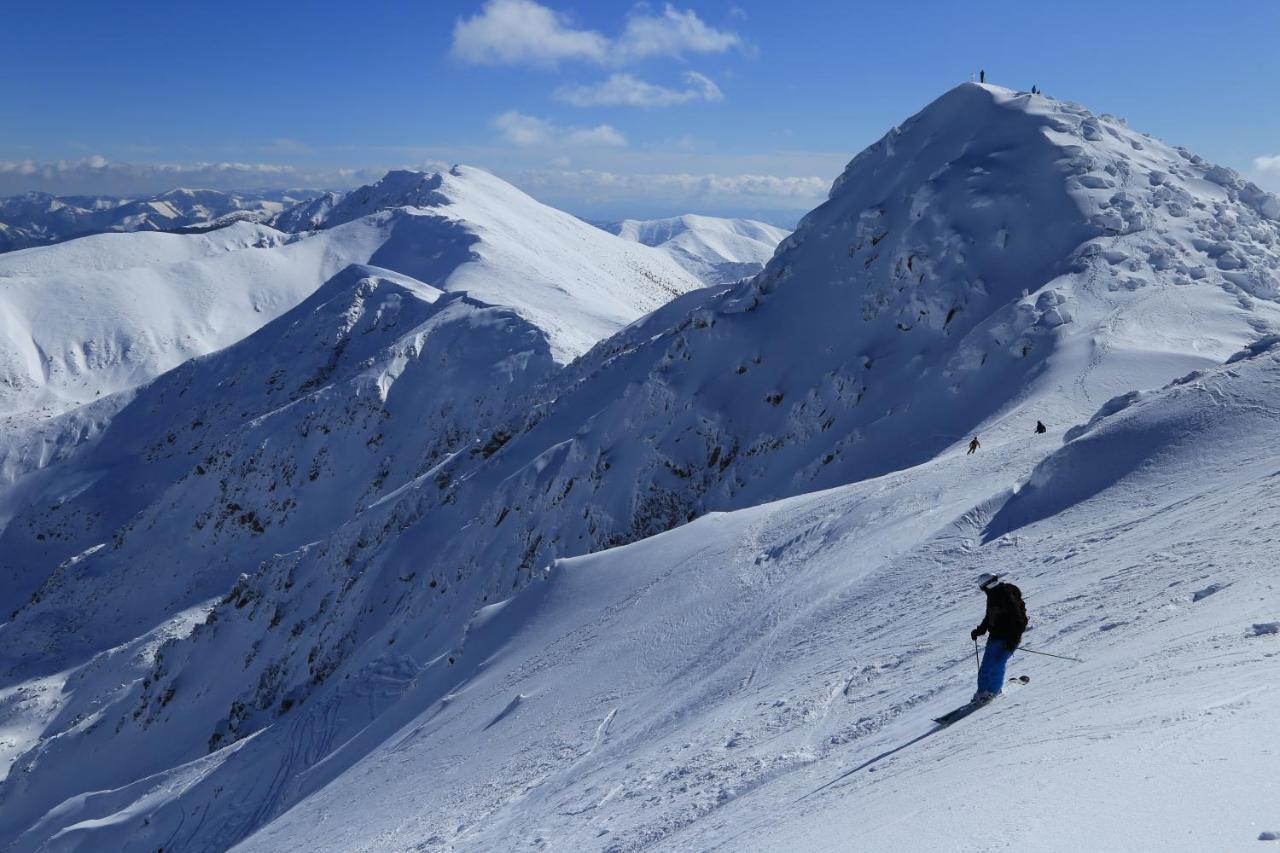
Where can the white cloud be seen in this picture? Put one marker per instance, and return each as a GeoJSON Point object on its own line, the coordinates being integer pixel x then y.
{"type": "Point", "coordinates": [523, 32]}
{"type": "Point", "coordinates": [626, 90]}
{"type": "Point", "coordinates": [530, 131]}
{"type": "Point", "coordinates": [1267, 163]}
{"type": "Point", "coordinates": [673, 33]}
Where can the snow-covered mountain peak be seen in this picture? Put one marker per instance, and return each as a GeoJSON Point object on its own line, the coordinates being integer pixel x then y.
{"type": "Point", "coordinates": [718, 251]}
{"type": "Point", "coordinates": [478, 233]}
{"type": "Point", "coordinates": [400, 188]}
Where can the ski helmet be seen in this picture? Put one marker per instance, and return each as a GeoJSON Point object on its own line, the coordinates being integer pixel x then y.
{"type": "Point", "coordinates": [986, 579]}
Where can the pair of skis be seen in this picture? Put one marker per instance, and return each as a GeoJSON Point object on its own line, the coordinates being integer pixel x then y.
{"type": "Point", "coordinates": [973, 705]}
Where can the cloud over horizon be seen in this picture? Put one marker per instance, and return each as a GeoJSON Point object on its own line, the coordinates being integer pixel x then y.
{"type": "Point", "coordinates": [626, 90]}
{"type": "Point", "coordinates": [529, 131]}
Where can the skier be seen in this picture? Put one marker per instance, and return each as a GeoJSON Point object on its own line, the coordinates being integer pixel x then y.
{"type": "Point", "coordinates": [1041, 428]}
{"type": "Point", "coordinates": [973, 445]}
{"type": "Point", "coordinates": [1004, 623]}
{"type": "Point", "coordinates": [982, 75]}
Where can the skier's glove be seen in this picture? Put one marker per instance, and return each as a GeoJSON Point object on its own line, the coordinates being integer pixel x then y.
{"type": "Point", "coordinates": [973, 635]}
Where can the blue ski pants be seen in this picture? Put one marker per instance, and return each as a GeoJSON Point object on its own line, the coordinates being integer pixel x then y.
{"type": "Point", "coordinates": [991, 672]}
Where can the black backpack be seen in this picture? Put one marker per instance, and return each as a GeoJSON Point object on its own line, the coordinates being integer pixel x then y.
{"type": "Point", "coordinates": [1008, 613]}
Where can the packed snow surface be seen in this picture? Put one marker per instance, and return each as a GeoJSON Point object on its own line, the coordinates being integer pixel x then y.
{"type": "Point", "coordinates": [718, 251]}
{"type": "Point", "coordinates": [705, 586]}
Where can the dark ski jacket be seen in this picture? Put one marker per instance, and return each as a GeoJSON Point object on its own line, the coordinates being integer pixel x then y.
{"type": "Point", "coordinates": [1006, 617]}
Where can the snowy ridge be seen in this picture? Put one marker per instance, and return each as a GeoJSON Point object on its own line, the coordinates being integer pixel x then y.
{"type": "Point", "coordinates": [997, 259]}
{"type": "Point", "coordinates": [560, 273]}
{"type": "Point", "coordinates": [718, 251]}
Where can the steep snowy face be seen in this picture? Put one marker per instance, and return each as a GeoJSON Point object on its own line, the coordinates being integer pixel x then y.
{"type": "Point", "coordinates": [976, 268]}
{"type": "Point", "coordinates": [718, 251]}
{"type": "Point", "coordinates": [258, 449]}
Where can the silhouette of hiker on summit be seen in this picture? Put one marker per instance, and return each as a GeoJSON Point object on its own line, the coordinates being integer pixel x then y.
{"type": "Point", "coordinates": [1041, 428]}
{"type": "Point", "coordinates": [973, 445]}
{"type": "Point", "coordinates": [982, 75]}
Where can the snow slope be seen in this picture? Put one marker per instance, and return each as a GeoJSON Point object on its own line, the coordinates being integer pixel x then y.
{"type": "Point", "coordinates": [718, 251]}
{"type": "Point", "coordinates": [694, 690]}
{"type": "Point", "coordinates": [103, 314]}
{"type": "Point", "coordinates": [997, 259]}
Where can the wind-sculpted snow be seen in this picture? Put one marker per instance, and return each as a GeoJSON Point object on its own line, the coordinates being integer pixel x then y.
{"type": "Point", "coordinates": [998, 259]}
{"type": "Point", "coordinates": [718, 251]}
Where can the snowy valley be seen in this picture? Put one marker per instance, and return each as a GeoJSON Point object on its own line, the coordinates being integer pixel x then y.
{"type": "Point", "coordinates": [429, 517]}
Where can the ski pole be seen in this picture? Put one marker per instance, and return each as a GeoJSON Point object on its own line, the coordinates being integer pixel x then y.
{"type": "Point", "coordinates": [1048, 655]}
{"type": "Point", "coordinates": [975, 656]}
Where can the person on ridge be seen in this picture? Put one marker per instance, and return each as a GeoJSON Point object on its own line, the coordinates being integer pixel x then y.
{"type": "Point", "coordinates": [973, 445]}
{"type": "Point", "coordinates": [982, 75]}
{"type": "Point", "coordinates": [1004, 622]}
{"type": "Point", "coordinates": [1041, 428]}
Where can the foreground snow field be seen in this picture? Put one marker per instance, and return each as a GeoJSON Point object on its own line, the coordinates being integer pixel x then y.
{"type": "Point", "coordinates": [394, 573]}
{"type": "Point", "coordinates": [691, 691]}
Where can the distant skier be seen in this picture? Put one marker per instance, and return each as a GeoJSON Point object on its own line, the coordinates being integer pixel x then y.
{"type": "Point", "coordinates": [1004, 623]}
{"type": "Point", "coordinates": [982, 75]}
{"type": "Point", "coordinates": [973, 445]}
{"type": "Point", "coordinates": [1041, 428]}
{"type": "Point", "coordinates": [1034, 90]}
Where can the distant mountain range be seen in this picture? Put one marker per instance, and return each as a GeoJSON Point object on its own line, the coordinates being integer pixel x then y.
{"type": "Point", "coordinates": [38, 219]}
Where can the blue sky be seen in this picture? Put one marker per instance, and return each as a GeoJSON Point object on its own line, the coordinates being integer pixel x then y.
{"type": "Point", "coordinates": [604, 108]}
